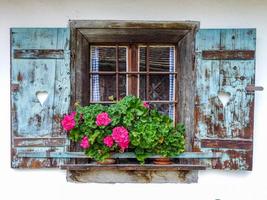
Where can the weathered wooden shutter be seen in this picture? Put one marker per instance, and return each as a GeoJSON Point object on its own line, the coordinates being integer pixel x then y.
{"type": "Point", "coordinates": [225, 61]}
{"type": "Point", "coordinates": [40, 67]}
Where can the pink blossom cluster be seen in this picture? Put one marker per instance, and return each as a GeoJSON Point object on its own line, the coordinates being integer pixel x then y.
{"type": "Point", "coordinates": [121, 136]}
{"type": "Point", "coordinates": [85, 143]}
{"type": "Point", "coordinates": [108, 141]}
{"type": "Point", "coordinates": [102, 119]}
{"type": "Point", "coordinates": [146, 104]}
{"type": "Point", "coordinates": [68, 123]}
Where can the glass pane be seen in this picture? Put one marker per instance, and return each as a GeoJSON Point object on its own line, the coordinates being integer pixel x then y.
{"type": "Point", "coordinates": [142, 87]}
{"type": "Point", "coordinates": [122, 59]}
{"type": "Point", "coordinates": [159, 59]}
{"type": "Point", "coordinates": [106, 88]}
{"type": "Point", "coordinates": [159, 87]}
{"type": "Point", "coordinates": [163, 108]}
{"type": "Point", "coordinates": [142, 58]}
{"type": "Point", "coordinates": [105, 58]}
{"type": "Point", "coordinates": [122, 86]}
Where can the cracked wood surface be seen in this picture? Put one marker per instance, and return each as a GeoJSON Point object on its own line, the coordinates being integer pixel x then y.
{"type": "Point", "coordinates": [40, 63]}
{"type": "Point", "coordinates": [228, 66]}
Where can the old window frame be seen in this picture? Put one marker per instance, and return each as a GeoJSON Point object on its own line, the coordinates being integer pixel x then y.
{"type": "Point", "coordinates": [133, 74]}
{"type": "Point", "coordinates": [182, 34]}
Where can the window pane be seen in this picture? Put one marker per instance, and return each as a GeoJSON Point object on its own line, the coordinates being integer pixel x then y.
{"type": "Point", "coordinates": [166, 109]}
{"type": "Point", "coordinates": [122, 59]}
{"type": "Point", "coordinates": [106, 57]}
{"type": "Point", "coordinates": [122, 86]}
{"type": "Point", "coordinates": [107, 87]}
{"type": "Point", "coordinates": [159, 86]}
{"type": "Point", "coordinates": [103, 58]}
{"type": "Point", "coordinates": [142, 87]}
{"type": "Point", "coordinates": [159, 59]}
{"type": "Point", "coordinates": [142, 58]}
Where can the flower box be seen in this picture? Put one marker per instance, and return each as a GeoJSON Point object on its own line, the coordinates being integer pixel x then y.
{"type": "Point", "coordinates": [127, 124]}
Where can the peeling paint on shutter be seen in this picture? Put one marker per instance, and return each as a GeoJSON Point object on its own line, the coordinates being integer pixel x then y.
{"type": "Point", "coordinates": [40, 68]}
{"type": "Point", "coordinates": [225, 61]}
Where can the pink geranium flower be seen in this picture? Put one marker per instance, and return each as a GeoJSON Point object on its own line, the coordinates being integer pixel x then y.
{"type": "Point", "coordinates": [85, 143]}
{"type": "Point", "coordinates": [108, 141]}
{"type": "Point", "coordinates": [102, 119]}
{"type": "Point", "coordinates": [68, 123]}
{"type": "Point", "coordinates": [121, 136]}
{"type": "Point", "coordinates": [146, 104]}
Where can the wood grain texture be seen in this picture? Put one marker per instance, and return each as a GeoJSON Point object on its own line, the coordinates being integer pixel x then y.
{"type": "Point", "coordinates": [82, 69]}
{"type": "Point", "coordinates": [38, 53]}
{"type": "Point", "coordinates": [30, 119]}
{"type": "Point", "coordinates": [222, 128]}
{"type": "Point", "coordinates": [186, 86]}
{"type": "Point", "coordinates": [127, 35]}
{"type": "Point", "coordinates": [39, 142]}
{"type": "Point", "coordinates": [227, 144]}
{"type": "Point", "coordinates": [134, 24]}
{"type": "Point", "coordinates": [228, 55]}
{"type": "Point", "coordinates": [132, 68]}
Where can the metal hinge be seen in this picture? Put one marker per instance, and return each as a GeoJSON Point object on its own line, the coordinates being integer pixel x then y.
{"type": "Point", "coordinates": [253, 88]}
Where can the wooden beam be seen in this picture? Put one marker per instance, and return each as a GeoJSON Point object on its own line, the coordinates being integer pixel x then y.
{"type": "Point", "coordinates": [38, 53]}
{"type": "Point", "coordinates": [133, 35]}
{"type": "Point", "coordinates": [227, 143]}
{"type": "Point", "coordinates": [132, 73]}
{"type": "Point", "coordinates": [134, 24]}
{"type": "Point", "coordinates": [39, 142]}
{"type": "Point", "coordinates": [228, 55]}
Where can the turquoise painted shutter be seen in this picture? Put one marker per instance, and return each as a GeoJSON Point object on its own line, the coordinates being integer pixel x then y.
{"type": "Point", "coordinates": [40, 65]}
{"type": "Point", "coordinates": [225, 65]}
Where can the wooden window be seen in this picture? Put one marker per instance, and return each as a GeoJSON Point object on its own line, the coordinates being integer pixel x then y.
{"type": "Point", "coordinates": [154, 61]}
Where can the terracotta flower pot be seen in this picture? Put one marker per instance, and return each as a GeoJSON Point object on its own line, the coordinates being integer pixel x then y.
{"type": "Point", "coordinates": [162, 161]}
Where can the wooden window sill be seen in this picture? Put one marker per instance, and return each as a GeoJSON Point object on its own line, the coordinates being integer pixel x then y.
{"type": "Point", "coordinates": [132, 167]}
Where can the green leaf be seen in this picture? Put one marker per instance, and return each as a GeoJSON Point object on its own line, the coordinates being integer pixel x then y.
{"type": "Point", "coordinates": [93, 137]}
{"type": "Point", "coordinates": [75, 135]}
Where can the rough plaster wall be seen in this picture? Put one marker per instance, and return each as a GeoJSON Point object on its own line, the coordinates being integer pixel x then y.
{"type": "Point", "coordinates": [51, 184]}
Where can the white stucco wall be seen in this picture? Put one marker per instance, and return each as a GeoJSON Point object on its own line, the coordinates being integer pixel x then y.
{"type": "Point", "coordinates": [51, 184]}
